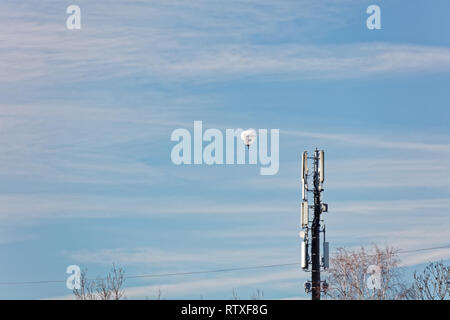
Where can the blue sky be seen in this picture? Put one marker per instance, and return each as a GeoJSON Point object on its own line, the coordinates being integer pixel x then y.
{"type": "Point", "coordinates": [86, 118]}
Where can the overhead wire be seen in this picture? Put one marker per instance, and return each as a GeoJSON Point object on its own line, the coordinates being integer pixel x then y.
{"type": "Point", "coordinates": [159, 275]}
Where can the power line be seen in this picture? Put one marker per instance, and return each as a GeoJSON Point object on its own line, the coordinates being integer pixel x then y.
{"type": "Point", "coordinates": [163, 274]}
{"type": "Point", "coordinates": [424, 249]}
{"type": "Point", "coordinates": [413, 250]}
{"type": "Point", "coordinates": [160, 275]}
{"type": "Point", "coordinates": [32, 282]}
{"type": "Point", "coordinates": [211, 271]}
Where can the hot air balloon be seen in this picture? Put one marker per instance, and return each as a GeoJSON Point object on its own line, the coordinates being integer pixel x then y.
{"type": "Point", "coordinates": [248, 136]}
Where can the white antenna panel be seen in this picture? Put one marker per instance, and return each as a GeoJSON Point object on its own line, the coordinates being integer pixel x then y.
{"type": "Point", "coordinates": [321, 166]}
{"type": "Point", "coordinates": [304, 191]}
{"type": "Point", "coordinates": [304, 165]}
{"type": "Point", "coordinates": [305, 216]}
{"type": "Point", "coordinates": [304, 255]}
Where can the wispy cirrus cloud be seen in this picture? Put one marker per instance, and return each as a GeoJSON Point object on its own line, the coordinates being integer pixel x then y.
{"type": "Point", "coordinates": [379, 141]}
{"type": "Point", "coordinates": [17, 208]}
{"type": "Point", "coordinates": [201, 44]}
{"type": "Point", "coordinates": [173, 259]}
{"type": "Point", "coordinates": [266, 281]}
{"type": "Point", "coordinates": [369, 173]}
{"type": "Point", "coordinates": [225, 284]}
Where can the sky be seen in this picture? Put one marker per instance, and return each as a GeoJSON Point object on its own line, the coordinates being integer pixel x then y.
{"type": "Point", "coordinates": [86, 118]}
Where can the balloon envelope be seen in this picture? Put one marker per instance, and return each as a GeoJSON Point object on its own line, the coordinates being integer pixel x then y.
{"type": "Point", "coordinates": [248, 136]}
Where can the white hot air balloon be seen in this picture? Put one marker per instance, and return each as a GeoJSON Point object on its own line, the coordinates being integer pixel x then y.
{"type": "Point", "coordinates": [248, 136]}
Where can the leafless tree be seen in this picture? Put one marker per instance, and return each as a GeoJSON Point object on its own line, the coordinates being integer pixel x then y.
{"type": "Point", "coordinates": [108, 288]}
{"type": "Point", "coordinates": [360, 275]}
{"type": "Point", "coordinates": [87, 290]}
{"type": "Point", "coordinates": [432, 284]}
{"type": "Point", "coordinates": [258, 295]}
{"type": "Point", "coordinates": [235, 295]}
{"type": "Point", "coordinates": [159, 297]}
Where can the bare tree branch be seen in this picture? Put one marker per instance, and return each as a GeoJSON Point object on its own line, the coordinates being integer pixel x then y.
{"type": "Point", "coordinates": [108, 288]}
{"type": "Point", "coordinates": [349, 272]}
{"type": "Point", "coordinates": [432, 283]}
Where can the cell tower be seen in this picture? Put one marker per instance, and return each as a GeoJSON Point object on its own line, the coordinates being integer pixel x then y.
{"type": "Point", "coordinates": [311, 229]}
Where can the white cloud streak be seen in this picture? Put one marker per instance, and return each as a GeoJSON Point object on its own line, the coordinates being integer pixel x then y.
{"type": "Point", "coordinates": [172, 258]}
{"type": "Point", "coordinates": [225, 284]}
{"type": "Point", "coordinates": [373, 141]}
{"type": "Point", "coordinates": [201, 44]}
